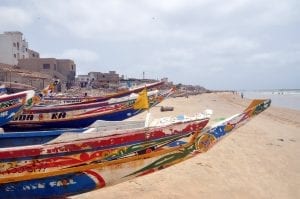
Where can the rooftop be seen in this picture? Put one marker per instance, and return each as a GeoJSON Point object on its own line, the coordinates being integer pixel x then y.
{"type": "Point", "coordinates": [22, 72]}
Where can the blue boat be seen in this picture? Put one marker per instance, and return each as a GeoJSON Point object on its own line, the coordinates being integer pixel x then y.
{"type": "Point", "coordinates": [84, 99]}
{"type": "Point", "coordinates": [79, 115]}
{"type": "Point", "coordinates": [81, 172]}
{"type": "Point", "coordinates": [12, 104]}
{"type": "Point", "coordinates": [13, 139]}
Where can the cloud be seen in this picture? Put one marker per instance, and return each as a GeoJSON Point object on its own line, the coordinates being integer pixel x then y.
{"type": "Point", "coordinates": [12, 18]}
{"type": "Point", "coordinates": [216, 69]}
{"type": "Point", "coordinates": [81, 55]}
{"type": "Point", "coordinates": [234, 45]}
{"type": "Point", "coordinates": [90, 19]}
{"type": "Point", "coordinates": [210, 42]}
{"type": "Point", "coordinates": [274, 60]}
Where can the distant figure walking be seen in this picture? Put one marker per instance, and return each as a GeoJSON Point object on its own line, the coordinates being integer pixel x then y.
{"type": "Point", "coordinates": [242, 95]}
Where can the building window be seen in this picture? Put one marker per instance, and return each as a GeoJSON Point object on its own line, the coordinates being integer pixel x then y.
{"type": "Point", "coordinates": [46, 66]}
{"type": "Point", "coordinates": [14, 44]}
{"type": "Point", "coordinates": [72, 67]}
{"type": "Point", "coordinates": [26, 49]}
{"type": "Point", "coordinates": [33, 55]}
{"type": "Point", "coordinates": [54, 66]}
{"type": "Point", "coordinates": [18, 45]}
{"type": "Point", "coordinates": [15, 55]}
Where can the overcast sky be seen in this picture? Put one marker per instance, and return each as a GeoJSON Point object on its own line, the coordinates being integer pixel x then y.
{"type": "Point", "coordinates": [232, 44]}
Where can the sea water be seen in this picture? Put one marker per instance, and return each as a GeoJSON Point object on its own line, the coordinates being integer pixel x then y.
{"type": "Point", "coordinates": [282, 98]}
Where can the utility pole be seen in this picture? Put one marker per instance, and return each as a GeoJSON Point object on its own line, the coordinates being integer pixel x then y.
{"type": "Point", "coordinates": [143, 75]}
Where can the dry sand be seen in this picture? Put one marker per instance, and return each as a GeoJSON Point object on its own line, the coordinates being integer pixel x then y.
{"type": "Point", "coordinates": [259, 160]}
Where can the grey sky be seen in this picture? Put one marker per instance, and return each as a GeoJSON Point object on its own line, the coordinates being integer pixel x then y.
{"type": "Point", "coordinates": [233, 44]}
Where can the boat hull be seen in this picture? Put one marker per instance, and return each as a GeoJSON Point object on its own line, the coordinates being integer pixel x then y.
{"type": "Point", "coordinates": [13, 139]}
{"type": "Point", "coordinates": [76, 122]}
{"type": "Point", "coordinates": [12, 104]}
{"type": "Point", "coordinates": [77, 116]}
{"type": "Point", "coordinates": [68, 100]}
{"type": "Point", "coordinates": [87, 177]}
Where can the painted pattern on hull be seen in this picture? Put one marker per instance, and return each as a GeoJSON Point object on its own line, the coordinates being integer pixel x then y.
{"type": "Point", "coordinates": [122, 169]}
{"type": "Point", "coordinates": [77, 116]}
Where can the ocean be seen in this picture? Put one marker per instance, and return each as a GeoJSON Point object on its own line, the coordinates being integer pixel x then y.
{"type": "Point", "coordinates": [282, 98]}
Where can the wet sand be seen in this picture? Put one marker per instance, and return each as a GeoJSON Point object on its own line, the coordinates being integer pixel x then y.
{"type": "Point", "coordinates": [259, 160]}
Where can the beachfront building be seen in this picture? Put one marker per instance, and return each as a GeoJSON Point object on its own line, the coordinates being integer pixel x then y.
{"type": "Point", "coordinates": [14, 47]}
{"type": "Point", "coordinates": [13, 76]}
{"type": "Point", "coordinates": [62, 69]}
{"type": "Point", "coordinates": [110, 80]}
{"type": "Point", "coordinates": [83, 81]}
{"type": "Point", "coordinates": [132, 82]}
{"type": "Point", "coordinates": [105, 80]}
{"type": "Point", "coordinates": [167, 84]}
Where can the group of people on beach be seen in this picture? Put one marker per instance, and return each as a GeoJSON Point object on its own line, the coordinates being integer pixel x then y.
{"type": "Point", "coordinates": [242, 94]}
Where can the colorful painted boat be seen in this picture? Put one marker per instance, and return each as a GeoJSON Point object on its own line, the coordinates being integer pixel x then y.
{"type": "Point", "coordinates": [105, 144]}
{"type": "Point", "coordinates": [12, 104]}
{"type": "Point", "coordinates": [39, 182]}
{"type": "Point", "coordinates": [78, 99]}
{"type": "Point", "coordinates": [79, 115]}
{"type": "Point", "coordinates": [13, 139]}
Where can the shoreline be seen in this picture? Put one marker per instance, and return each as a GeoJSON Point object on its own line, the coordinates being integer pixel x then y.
{"type": "Point", "coordinates": [257, 161]}
{"type": "Point", "coordinates": [283, 99]}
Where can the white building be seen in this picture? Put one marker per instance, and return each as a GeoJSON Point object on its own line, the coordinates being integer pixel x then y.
{"type": "Point", "coordinates": [14, 47]}
{"type": "Point", "coordinates": [83, 80]}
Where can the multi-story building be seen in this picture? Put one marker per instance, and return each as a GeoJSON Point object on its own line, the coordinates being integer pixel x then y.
{"type": "Point", "coordinates": [83, 80]}
{"type": "Point", "coordinates": [14, 51]}
{"type": "Point", "coordinates": [13, 47]}
{"type": "Point", "coordinates": [62, 69]}
{"type": "Point", "coordinates": [105, 80]}
{"type": "Point", "coordinates": [33, 54]}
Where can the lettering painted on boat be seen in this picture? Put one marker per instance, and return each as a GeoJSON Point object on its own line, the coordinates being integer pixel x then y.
{"type": "Point", "coordinates": [60, 115]}
{"type": "Point", "coordinates": [13, 167]}
{"type": "Point", "coordinates": [24, 117]}
{"type": "Point", "coordinates": [58, 149]}
{"type": "Point", "coordinates": [63, 182]}
{"type": "Point", "coordinates": [71, 101]}
{"type": "Point", "coordinates": [34, 186]}
{"type": "Point", "coordinates": [40, 185]}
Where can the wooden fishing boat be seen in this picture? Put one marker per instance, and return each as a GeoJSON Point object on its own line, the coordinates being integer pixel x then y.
{"type": "Point", "coordinates": [39, 181]}
{"type": "Point", "coordinates": [106, 144]}
{"type": "Point", "coordinates": [13, 139]}
{"type": "Point", "coordinates": [12, 104]}
{"type": "Point", "coordinates": [80, 115]}
{"type": "Point", "coordinates": [78, 99]}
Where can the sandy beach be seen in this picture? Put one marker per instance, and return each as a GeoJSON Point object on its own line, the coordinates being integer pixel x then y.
{"type": "Point", "coordinates": [259, 160]}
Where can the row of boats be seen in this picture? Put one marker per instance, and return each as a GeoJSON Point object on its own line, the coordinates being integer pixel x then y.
{"type": "Point", "coordinates": [59, 149]}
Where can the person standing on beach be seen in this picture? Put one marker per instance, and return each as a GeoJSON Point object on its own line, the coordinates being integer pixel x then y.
{"type": "Point", "coordinates": [242, 95]}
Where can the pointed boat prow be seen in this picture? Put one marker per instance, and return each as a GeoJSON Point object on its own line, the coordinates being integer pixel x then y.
{"type": "Point", "coordinates": [258, 105]}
